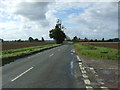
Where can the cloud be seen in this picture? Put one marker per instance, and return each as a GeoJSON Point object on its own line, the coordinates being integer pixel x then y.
{"type": "Point", "coordinates": [28, 18]}
{"type": "Point", "coordinates": [100, 20]}
{"type": "Point", "coordinates": [33, 11]}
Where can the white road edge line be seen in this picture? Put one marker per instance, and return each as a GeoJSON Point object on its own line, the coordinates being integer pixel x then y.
{"type": "Point", "coordinates": [51, 55]}
{"type": "Point", "coordinates": [89, 87]}
{"type": "Point", "coordinates": [86, 80]}
{"type": "Point", "coordinates": [78, 58]}
{"type": "Point", "coordinates": [21, 74]}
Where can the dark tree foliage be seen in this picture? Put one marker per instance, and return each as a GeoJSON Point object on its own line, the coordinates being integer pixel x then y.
{"type": "Point", "coordinates": [85, 39]}
{"type": "Point", "coordinates": [43, 39]}
{"type": "Point", "coordinates": [30, 39]}
{"type": "Point", "coordinates": [36, 40]}
{"type": "Point", "coordinates": [102, 39]}
{"type": "Point", "coordinates": [75, 39]}
{"type": "Point", "coordinates": [91, 40]}
{"type": "Point", "coordinates": [96, 40]}
{"type": "Point", "coordinates": [19, 40]}
{"type": "Point", "coordinates": [57, 34]}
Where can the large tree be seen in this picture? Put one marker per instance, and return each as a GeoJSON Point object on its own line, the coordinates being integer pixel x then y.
{"type": "Point", "coordinates": [30, 39]}
{"type": "Point", "coordinates": [57, 33]}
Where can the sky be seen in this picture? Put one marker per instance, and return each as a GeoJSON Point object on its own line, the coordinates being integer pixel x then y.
{"type": "Point", "coordinates": [21, 19]}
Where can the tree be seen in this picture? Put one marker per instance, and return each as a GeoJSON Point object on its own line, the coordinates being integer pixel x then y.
{"type": "Point", "coordinates": [57, 33]}
{"type": "Point", "coordinates": [36, 40]}
{"type": "Point", "coordinates": [75, 39]}
{"type": "Point", "coordinates": [85, 39]}
{"type": "Point", "coordinates": [30, 39]}
{"type": "Point", "coordinates": [43, 39]}
{"type": "Point", "coordinates": [91, 40]}
{"type": "Point", "coordinates": [102, 39]}
{"type": "Point", "coordinates": [1, 40]}
{"type": "Point", "coordinates": [96, 40]}
{"type": "Point", "coordinates": [19, 40]}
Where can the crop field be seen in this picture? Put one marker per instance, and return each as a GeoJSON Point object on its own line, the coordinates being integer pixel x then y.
{"type": "Point", "coordinates": [102, 50]}
{"type": "Point", "coordinates": [18, 45]}
{"type": "Point", "coordinates": [114, 45]}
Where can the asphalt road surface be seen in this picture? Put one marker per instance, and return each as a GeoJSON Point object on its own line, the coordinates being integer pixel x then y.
{"type": "Point", "coordinates": [54, 68]}
{"type": "Point", "coordinates": [59, 67]}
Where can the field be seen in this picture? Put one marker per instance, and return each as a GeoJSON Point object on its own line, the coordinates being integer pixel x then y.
{"type": "Point", "coordinates": [14, 50]}
{"type": "Point", "coordinates": [18, 45]}
{"type": "Point", "coordinates": [114, 45]}
{"type": "Point", "coordinates": [101, 50]}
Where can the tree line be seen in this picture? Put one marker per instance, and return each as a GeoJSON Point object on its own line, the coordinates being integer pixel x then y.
{"type": "Point", "coordinates": [30, 39]}
{"type": "Point", "coordinates": [77, 39]}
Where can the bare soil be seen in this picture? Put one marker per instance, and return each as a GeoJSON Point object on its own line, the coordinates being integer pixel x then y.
{"type": "Point", "coordinates": [107, 71]}
{"type": "Point", "coordinates": [18, 45]}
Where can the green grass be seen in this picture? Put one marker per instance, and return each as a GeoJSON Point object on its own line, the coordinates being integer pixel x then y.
{"type": "Point", "coordinates": [22, 51]}
{"type": "Point", "coordinates": [96, 52]}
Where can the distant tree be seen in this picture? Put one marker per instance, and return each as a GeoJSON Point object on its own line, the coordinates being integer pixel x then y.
{"type": "Point", "coordinates": [102, 39]}
{"type": "Point", "coordinates": [75, 39]}
{"type": "Point", "coordinates": [91, 40]}
{"type": "Point", "coordinates": [19, 40]}
{"type": "Point", "coordinates": [110, 40]}
{"type": "Point", "coordinates": [30, 39]}
{"type": "Point", "coordinates": [2, 40]}
{"type": "Point", "coordinates": [36, 40]}
{"type": "Point", "coordinates": [96, 40]}
{"type": "Point", "coordinates": [85, 39]}
{"type": "Point", "coordinates": [43, 39]}
{"type": "Point", "coordinates": [57, 33]}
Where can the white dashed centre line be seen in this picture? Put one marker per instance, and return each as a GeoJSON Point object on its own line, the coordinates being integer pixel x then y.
{"type": "Point", "coordinates": [51, 55]}
{"type": "Point", "coordinates": [21, 74]}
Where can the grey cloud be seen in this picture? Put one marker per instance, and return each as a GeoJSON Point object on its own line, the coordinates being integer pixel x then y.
{"type": "Point", "coordinates": [100, 20]}
{"type": "Point", "coordinates": [34, 11]}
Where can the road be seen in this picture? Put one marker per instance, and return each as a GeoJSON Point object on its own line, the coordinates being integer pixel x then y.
{"type": "Point", "coordinates": [58, 67]}
{"type": "Point", "coordinates": [54, 68]}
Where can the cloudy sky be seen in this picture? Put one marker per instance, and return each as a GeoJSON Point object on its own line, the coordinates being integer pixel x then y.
{"type": "Point", "coordinates": [22, 19]}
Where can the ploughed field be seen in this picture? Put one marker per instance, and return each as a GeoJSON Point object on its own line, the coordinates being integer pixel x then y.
{"type": "Point", "coordinates": [18, 45]}
{"type": "Point", "coordinates": [114, 45]}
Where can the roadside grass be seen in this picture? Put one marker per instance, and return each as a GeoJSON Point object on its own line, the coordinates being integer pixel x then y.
{"type": "Point", "coordinates": [8, 55]}
{"type": "Point", "coordinates": [96, 52]}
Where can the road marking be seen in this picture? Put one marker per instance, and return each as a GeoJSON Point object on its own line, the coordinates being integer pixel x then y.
{"type": "Point", "coordinates": [71, 64]}
{"type": "Point", "coordinates": [85, 76]}
{"type": "Point", "coordinates": [78, 58]}
{"type": "Point", "coordinates": [51, 55]}
{"type": "Point", "coordinates": [86, 80]}
{"type": "Point", "coordinates": [89, 88]}
{"type": "Point", "coordinates": [21, 74]}
{"type": "Point", "coordinates": [104, 88]}
{"type": "Point", "coordinates": [80, 63]}
{"type": "Point", "coordinates": [93, 70]}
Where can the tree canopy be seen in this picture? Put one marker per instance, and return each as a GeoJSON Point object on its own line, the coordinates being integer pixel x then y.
{"type": "Point", "coordinates": [57, 33]}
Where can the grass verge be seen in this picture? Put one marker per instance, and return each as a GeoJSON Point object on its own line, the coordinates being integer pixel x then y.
{"type": "Point", "coordinates": [96, 52]}
{"type": "Point", "coordinates": [11, 55]}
